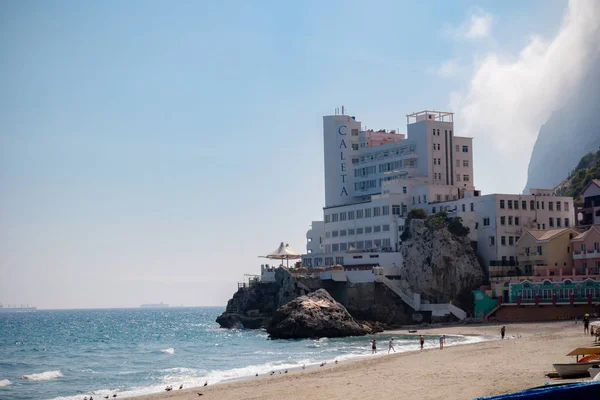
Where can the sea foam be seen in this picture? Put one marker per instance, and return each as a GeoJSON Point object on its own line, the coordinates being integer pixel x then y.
{"type": "Point", "coordinates": [43, 376]}
{"type": "Point", "coordinates": [170, 350]}
{"type": "Point", "coordinates": [4, 382]}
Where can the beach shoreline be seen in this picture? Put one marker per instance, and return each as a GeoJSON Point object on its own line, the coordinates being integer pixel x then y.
{"type": "Point", "coordinates": [472, 370]}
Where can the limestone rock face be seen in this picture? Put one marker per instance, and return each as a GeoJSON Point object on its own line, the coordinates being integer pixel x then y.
{"type": "Point", "coordinates": [252, 307]}
{"type": "Point", "coordinates": [439, 264]}
{"type": "Point", "coordinates": [314, 315]}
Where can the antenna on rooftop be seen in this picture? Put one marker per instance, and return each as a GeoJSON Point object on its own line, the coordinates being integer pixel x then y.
{"type": "Point", "coordinates": [342, 110]}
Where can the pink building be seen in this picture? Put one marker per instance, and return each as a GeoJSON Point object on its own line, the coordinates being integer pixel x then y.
{"type": "Point", "coordinates": [377, 138]}
{"type": "Point", "coordinates": [586, 250]}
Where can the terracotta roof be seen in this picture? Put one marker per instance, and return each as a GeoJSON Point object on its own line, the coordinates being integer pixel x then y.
{"type": "Point", "coordinates": [594, 181]}
{"type": "Point", "coordinates": [584, 234]}
{"type": "Point", "coordinates": [543, 235]}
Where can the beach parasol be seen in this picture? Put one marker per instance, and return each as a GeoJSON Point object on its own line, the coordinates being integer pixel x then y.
{"type": "Point", "coordinates": [283, 252]}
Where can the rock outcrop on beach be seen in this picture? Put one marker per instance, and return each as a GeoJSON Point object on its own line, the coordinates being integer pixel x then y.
{"type": "Point", "coordinates": [314, 315]}
{"type": "Point", "coordinates": [439, 261]}
{"type": "Point", "coordinates": [252, 307]}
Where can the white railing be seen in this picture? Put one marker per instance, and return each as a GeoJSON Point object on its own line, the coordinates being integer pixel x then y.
{"type": "Point", "coordinates": [396, 288]}
{"type": "Point", "coordinates": [458, 313]}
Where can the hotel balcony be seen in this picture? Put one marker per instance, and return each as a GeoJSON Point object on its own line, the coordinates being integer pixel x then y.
{"type": "Point", "coordinates": [586, 255]}
{"type": "Point", "coordinates": [524, 257]}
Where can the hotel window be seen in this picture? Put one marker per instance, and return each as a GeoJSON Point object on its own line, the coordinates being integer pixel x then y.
{"type": "Point", "coordinates": [403, 189]}
{"type": "Point", "coordinates": [551, 221]}
{"type": "Point", "coordinates": [359, 231]}
{"type": "Point", "coordinates": [516, 220]}
{"type": "Point", "coordinates": [335, 247]}
{"type": "Point", "coordinates": [435, 161]}
{"type": "Point", "coordinates": [359, 214]}
{"type": "Point", "coordinates": [360, 245]}
{"type": "Point", "coordinates": [527, 250]}
{"type": "Point", "coordinates": [492, 240]}
{"type": "Point", "coordinates": [334, 217]}
{"type": "Point", "coordinates": [342, 216]}
{"type": "Point", "coordinates": [386, 228]}
{"type": "Point", "coordinates": [368, 229]}
{"type": "Point", "coordinates": [531, 205]}
{"type": "Point", "coordinates": [466, 178]}
{"type": "Point", "coordinates": [343, 247]}
{"type": "Point", "coordinates": [539, 251]}
{"type": "Point", "coordinates": [524, 204]}
{"type": "Point", "coordinates": [439, 161]}
{"type": "Point", "coordinates": [542, 204]}
{"type": "Point", "coordinates": [434, 132]}
{"type": "Point", "coordinates": [596, 247]}
{"type": "Point", "coordinates": [464, 208]}
{"type": "Point", "coordinates": [516, 204]}
{"type": "Point", "coordinates": [434, 147]}
{"type": "Point", "coordinates": [355, 161]}
{"type": "Point", "coordinates": [503, 220]}
{"type": "Point", "coordinates": [387, 243]}
{"type": "Point", "coordinates": [368, 244]}
{"type": "Point", "coordinates": [327, 234]}
{"type": "Point", "coordinates": [550, 206]}
{"type": "Point", "coordinates": [334, 233]}
{"type": "Point", "coordinates": [566, 208]}
{"type": "Point", "coordinates": [327, 218]}
{"type": "Point", "coordinates": [376, 211]}
{"type": "Point", "coordinates": [558, 222]}
{"type": "Point", "coordinates": [433, 210]}
{"type": "Point", "coordinates": [558, 206]}
{"type": "Point", "coordinates": [465, 163]}
{"type": "Point", "coordinates": [458, 163]}
{"type": "Point", "coordinates": [354, 132]}
{"type": "Point", "coordinates": [386, 210]}
{"type": "Point", "coordinates": [510, 219]}
{"type": "Point", "coordinates": [328, 261]}
{"type": "Point", "coordinates": [465, 149]}
{"type": "Point", "coordinates": [472, 207]}
{"type": "Point", "coordinates": [501, 203]}
{"type": "Point", "coordinates": [350, 214]}
{"type": "Point", "coordinates": [503, 240]}
{"type": "Point", "coordinates": [414, 200]}
{"type": "Point", "coordinates": [419, 198]}
{"type": "Point", "coordinates": [537, 205]}
{"type": "Point", "coordinates": [566, 221]}
{"type": "Point", "coordinates": [343, 232]}
{"type": "Point", "coordinates": [424, 198]}
{"type": "Point", "coordinates": [367, 213]}
{"type": "Point", "coordinates": [395, 209]}
{"type": "Point", "coordinates": [457, 148]}
{"type": "Point", "coordinates": [377, 228]}
{"type": "Point", "coordinates": [354, 146]}
{"type": "Point", "coordinates": [510, 204]}
{"type": "Point", "coordinates": [457, 177]}
{"type": "Point", "coordinates": [350, 231]}
{"type": "Point", "coordinates": [511, 240]}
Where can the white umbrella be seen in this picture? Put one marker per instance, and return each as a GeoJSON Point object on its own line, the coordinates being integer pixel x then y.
{"type": "Point", "coordinates": [595, 323]}
{"type": "Point", "coordinates": [283, 252]}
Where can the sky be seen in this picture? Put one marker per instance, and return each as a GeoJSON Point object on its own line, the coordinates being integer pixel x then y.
{"type": "Point", "coordinates": [151, 151]}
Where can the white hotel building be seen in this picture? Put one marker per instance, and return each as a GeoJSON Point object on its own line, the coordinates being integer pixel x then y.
{"type": "Point", "coordinates": [373, 178]}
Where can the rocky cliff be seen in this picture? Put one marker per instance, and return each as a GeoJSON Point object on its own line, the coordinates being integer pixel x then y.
{"type": "Point", "coordinates": [569, 134]}
{"type": "Point", "coordinates": [439, 261]}
{"type": "Point", "coordinates": [252, 307]}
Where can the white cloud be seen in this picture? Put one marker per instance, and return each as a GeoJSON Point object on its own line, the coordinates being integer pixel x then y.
{"type": "Point", "coordinates": [510, 97]}
{"type": "Point", "coordinates": [447, 69]}
{"type": "Point", "coordinates": [478, 26]}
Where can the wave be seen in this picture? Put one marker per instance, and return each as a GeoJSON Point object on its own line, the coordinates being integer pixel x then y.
{"type": "Point", "coordinates": [4, 383]}
{"type": "Point", "coordinates": [170, 350]}
{"type": "Point", "coordinates": [43, 376]}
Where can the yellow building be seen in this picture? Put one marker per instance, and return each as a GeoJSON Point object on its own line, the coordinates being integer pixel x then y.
{"type": "Point", "coordinates": [551, 247]}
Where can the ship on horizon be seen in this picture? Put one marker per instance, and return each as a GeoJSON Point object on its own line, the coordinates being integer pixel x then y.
{"type": "Point", "coordinates": [15, 308]}
{"type": "Point", "coordinates": [161, 305]}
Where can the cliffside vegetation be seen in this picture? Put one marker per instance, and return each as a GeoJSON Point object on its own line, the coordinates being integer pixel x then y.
{"type": "Point", "coordinates": [587, 169]}
{"type": "Point", "coordinates": [435, 221]}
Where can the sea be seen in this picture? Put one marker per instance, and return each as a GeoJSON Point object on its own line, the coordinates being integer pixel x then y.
{"type": "Point", "coordinates": [69, 354]}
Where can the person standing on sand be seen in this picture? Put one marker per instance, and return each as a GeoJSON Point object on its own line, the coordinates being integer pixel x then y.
{"type": "Point", "coordinates": [422, 339]}
{"type": "Point", "coordinates": [391, 345]}
{"type": "Point", "coordinates": [373, 346]}
{"type": "Point", "coordinates": [441, 343]}
{"type": "Point", "coordinates": [586, 323]}
{"type": "Point", "coordinates": [503, 331]}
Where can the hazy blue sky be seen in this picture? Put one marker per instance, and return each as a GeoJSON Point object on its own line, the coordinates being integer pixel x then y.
{"type": "Point", "coordinates": [151, 150]}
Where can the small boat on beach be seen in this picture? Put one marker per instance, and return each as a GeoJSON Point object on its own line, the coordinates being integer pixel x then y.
{"type": "Point", "coordinates": [579, 368]}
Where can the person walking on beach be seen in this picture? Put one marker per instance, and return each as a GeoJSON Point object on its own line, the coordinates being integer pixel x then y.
{"type": "Point", "coordinates": [422, 339]}
{"type": "Point", "coordinates": [373, 346]}
{"type": "Point", "coordinates": [503, 331]}
{"type": "Point", "coordinates": [391, 345]}
{"type": "Point", "coordinates": [441, 342]}
{"type": "Point", "coordinates": [586, 323]}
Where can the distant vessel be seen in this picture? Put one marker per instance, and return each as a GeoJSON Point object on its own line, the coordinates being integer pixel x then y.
{"type": "Point", "coordinates": [14, 308]}
{"type": "Point", "coordinates": [161, 305]}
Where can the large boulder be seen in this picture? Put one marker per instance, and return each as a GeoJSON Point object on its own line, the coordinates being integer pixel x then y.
{"type": "Point", "coordinates": [314, 315]}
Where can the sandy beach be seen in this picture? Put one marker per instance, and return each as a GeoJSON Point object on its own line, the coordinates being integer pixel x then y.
{"type": "Point", "coordinates": [460, 372]}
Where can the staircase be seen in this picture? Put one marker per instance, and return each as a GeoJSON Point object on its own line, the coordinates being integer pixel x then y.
{"type": "Point", "coordinates": [402, 289]}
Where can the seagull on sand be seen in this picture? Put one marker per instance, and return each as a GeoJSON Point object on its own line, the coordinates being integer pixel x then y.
{"type": "Point", "coordinates": [181, 386]}
{"type": "Point", "coordinates": [206, 383]}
